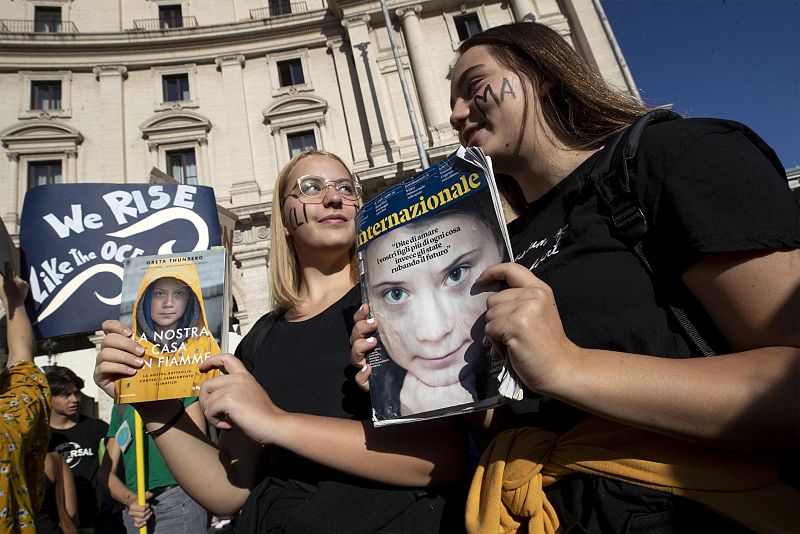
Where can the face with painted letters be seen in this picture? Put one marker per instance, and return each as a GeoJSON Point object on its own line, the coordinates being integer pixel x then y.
{"type": "Point", "coordinates": [488, 106]}
{"type": "Point", "coordinates": [329, 224]}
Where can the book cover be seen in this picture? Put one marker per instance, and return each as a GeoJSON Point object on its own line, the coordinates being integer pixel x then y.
{"type": "Point", "coordinates": [421, 246]}
{"type": "Point", "coordinates": [177, 306]}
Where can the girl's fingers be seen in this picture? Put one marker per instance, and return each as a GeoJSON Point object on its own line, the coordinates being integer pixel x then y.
{"type": "Point", "coordinates": [362, 377]}
{"type": "Point", "coordinates": [114, 370]}
{"type": "Point", "coordinates": [360, 349]}
{"type": "Point", "coordinates": [513, 274]}
{"type": "Point", "coordinates": [122, 343]}
{"type": "Point", "coordinates": [363, 329]}
{"type": "Point", "coordinates": [112, 326]}
{"type": "Point", "coordinates": [227, 363]}
{"type": "Point", "coordinates": [361, 313]}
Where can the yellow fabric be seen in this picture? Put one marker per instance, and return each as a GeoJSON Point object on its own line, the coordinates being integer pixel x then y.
{"type": "Point", "coordinates": [170, 381]}
{"type": "Point", "coordinates": [24, 411]}
{"type": "Point", "coordinates": [506, 493]}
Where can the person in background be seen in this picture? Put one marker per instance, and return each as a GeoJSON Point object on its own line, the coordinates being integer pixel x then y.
{"type": "Point", "coordinates": [77, 438]}
{"type": "Point", "coordinates": [168, 509]}
{"type": "Point", "coordinates": [609, 373]}
{"type": "Point", "coordinates": [24, 407]}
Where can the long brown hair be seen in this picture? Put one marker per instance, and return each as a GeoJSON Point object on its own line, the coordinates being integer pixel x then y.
{"type": "Point", "coordinates": [578, 106]}
{"type": "Point", "coordinates": [284, 269]}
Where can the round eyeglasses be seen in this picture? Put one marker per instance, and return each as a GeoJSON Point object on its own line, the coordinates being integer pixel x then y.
{"type": "Point", "coordinates": [314, 188]}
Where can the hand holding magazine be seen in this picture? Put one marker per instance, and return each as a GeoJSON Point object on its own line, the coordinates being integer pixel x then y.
{"type": "Point", "coordinates": [421, 246]}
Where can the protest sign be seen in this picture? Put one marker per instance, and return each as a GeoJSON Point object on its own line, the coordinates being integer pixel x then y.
{"type": "Point", "coordinates": [74, 239]}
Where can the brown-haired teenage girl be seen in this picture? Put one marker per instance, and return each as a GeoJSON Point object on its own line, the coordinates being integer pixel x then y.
{"type": "Point", "coordinates": [583, 323]}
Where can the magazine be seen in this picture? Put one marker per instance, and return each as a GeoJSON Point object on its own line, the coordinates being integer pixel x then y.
{"type": "Point", "coordinates": [421, 244]}
{"type": "Point", "coordinates": [177, 306]}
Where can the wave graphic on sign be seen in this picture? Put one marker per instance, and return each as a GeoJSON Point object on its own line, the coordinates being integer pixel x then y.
{"type": "Point", "coordinates": [166, 216]}
{"type": "Point", "coordinates": [73, 285]}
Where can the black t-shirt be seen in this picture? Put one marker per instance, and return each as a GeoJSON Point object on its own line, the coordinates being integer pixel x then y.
{"type": "Point", "coordinates": [705, 189]}
{"type": "Point", "coordinates": [304, 366]}
{"type": "Point", "coordinates": [79, 447]}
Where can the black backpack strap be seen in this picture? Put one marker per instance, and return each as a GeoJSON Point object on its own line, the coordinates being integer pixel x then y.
{"type": "Point", "coordinates": [613, 186]}
{"type": "Point", "coordinates": [611, 178]}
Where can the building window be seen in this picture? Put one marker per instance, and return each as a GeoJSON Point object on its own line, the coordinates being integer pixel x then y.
{"type": "Point", "coordinates": [175, 87]}
{"type": "Point", "coordinates": [46, 19]}
{"type": "Point", "coordinates": [300, 142]}
{"type": "Point", "coordinates": [170, 16]}
{"type": "Point", "coordinates": [46, 94]}
{"type": "Point", "coordinates": [182, 166]}
{"type": "Point", "coordinates": [43, 173]}
{"type": "Point", "coordinates": [290, 72]}
{"type": "Point", "coordinates": [279, 7]}
{"type": "Point", "coordinates": [467, 25]}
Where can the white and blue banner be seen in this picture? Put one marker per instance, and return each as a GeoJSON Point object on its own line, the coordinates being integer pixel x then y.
{"type": "Point", "coordinates": [74, 239]}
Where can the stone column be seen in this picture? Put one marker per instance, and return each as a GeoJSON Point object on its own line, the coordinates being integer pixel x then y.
{"type": "Point", "coordinates": [72, 167]}
{"type": "Point", "coordinates": [112, 166]}
{"type": "Point", "coordinates": [152, 151]}
{"type": "Point", "coordinates": [364, 56]}
{"type": "Point", "coordinates": [550, 12]}
{"type": "Point", "coordinates": [252, 254]}
{"type": "Point", "coordinates": [523, 10]}
{"type": "Point", "coordinates": [13, 201]}
{"type": "Point", "coordinates": [202, 159]}
{"type": "Point", "coordinates": [351, 106]}
{"type": "Point", "coordinates": [240, 147]}
{"type": "Point", "coordinates": [437, 120]}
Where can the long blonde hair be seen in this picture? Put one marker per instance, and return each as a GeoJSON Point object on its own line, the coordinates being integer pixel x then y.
{"type": "Point", "coordinates": [284, 269]}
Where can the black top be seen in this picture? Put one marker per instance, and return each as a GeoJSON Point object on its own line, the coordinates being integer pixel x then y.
{"type": "Point", "coordinates": [304, 366]}
{"type": "Point", "coordinates": [79, 448]}
{"type": "Point", "coordinates": [704, 188]}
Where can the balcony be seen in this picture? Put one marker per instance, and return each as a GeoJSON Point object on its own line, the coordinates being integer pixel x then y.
{"type": "Point", "coordinates": [164, 23]}
{"type": "Point", "coordinates": [278, 9]}
{"type": "Point", "coordinates": [36, 26]}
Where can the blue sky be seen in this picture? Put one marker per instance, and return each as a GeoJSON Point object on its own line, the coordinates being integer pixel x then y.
{"type": "Point", "coordinates": [736, 59]}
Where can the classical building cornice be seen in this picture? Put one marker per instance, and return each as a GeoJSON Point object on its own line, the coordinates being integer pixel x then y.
{"type": "Point", "coordinates": [142, 49]}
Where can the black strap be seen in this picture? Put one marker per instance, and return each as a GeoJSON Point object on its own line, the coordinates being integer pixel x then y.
{"type": "Point", "coordinates": [611, 177]}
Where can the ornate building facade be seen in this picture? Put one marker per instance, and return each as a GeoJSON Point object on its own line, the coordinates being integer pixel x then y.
{"type": "Point", "coordinates": [222, 93]}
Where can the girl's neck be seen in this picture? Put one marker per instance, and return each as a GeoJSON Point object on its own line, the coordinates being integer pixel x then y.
{"type": "Point", "coordinates": [320, 286]}
{"type": "Point", "coordinates": [545, 168]}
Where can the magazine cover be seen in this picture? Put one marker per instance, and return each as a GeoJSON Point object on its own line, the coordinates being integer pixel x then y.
{"type": "Point", "coordinates": [421, 245]}
{"type": "Point", "coordinates": [176, 305]}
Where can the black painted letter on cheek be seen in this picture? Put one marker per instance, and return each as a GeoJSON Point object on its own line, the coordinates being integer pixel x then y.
{"type": "Point", "coordinates": [506, 89]}
{"type": "Point", "coordinates": [294, 221]}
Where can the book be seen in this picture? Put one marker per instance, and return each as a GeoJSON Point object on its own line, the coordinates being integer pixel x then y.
{"type": "Point", "coordinates": [177, 307]}
{"type": "Point", "coordinates": [421, 245]}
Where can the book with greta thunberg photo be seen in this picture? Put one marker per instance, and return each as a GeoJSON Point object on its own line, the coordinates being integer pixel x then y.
{"type": "Point", "coordinates": [421, 246]}
{"type": "Point", "coordinates": [177, 308]}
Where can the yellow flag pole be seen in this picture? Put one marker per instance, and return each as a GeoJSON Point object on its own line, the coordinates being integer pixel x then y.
{"type": "Point", "coordinates": [140, 491]}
